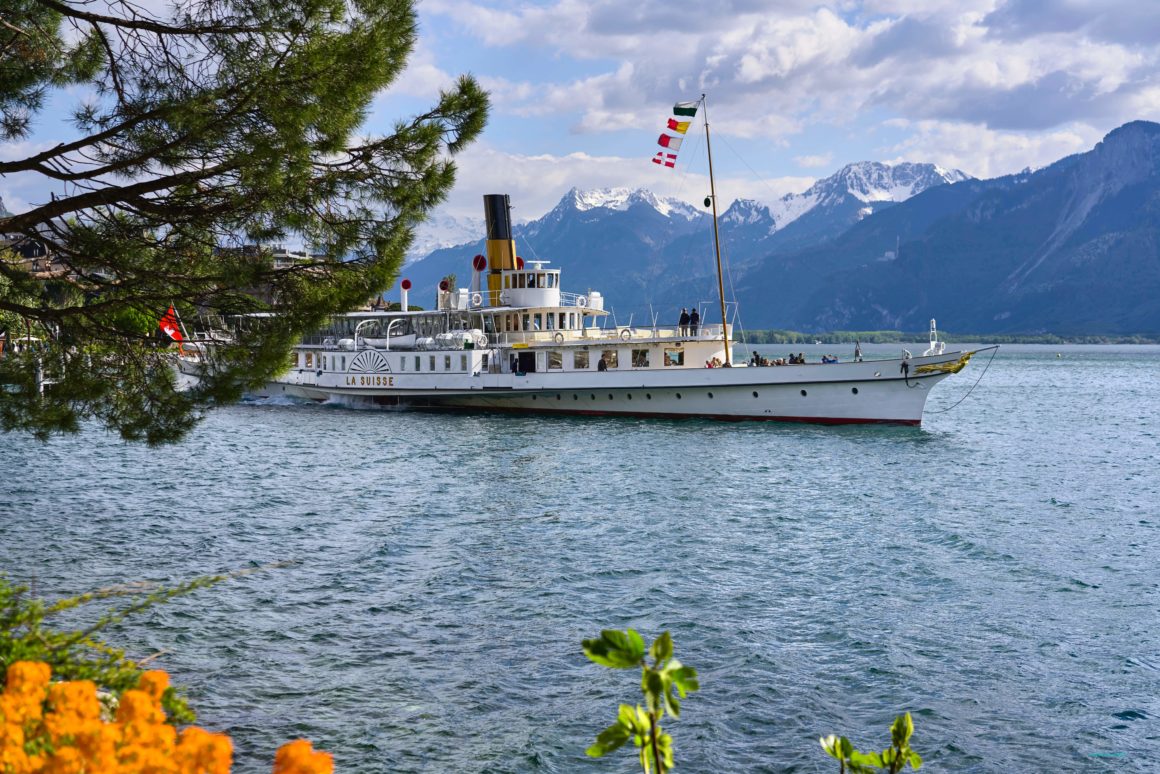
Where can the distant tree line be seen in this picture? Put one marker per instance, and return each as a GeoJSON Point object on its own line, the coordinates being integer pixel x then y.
{"type": "Point", "coordinates": [892, 337]}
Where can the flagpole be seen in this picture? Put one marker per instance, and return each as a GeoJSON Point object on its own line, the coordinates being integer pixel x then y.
{"type": "Point", "coordinates": [177, 314]}
{"type": "Point", "coordinates": [716, 237]}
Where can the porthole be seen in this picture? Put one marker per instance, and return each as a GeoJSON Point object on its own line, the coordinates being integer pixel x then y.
{"type": "Point", "coordinates": [803, 393]}
{"type": "Point", "coordinates": [533, 397]}
{"type": "Point", "coordinates": [710, 396]}
{"type": "Point", "coordinates": [678, 396]}
{"type": "Point", "coordinates": [755, 393]}
{"type": "Point", "coordinates": [610, 396]}
{"type": "Point", "coordinates": [854, 390]}
{"type": "Point", "coordinates": [878, 373]}
{"type": "Point", "coordinates": [648, 396]}
{"type": "Point", "coordinates": [629, 396]}
{"type": "Point", "coordinates": [557, 396]}
{"type": "Point", "coordinates": [575, 396]}
{"type": "Point", "coordinates": [590, 395]}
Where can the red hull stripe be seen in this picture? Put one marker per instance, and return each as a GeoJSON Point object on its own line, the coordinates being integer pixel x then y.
{"type": "Point", "coordinates": [663, 415]}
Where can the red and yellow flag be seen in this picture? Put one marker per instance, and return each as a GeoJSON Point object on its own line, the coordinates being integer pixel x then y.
{"type": "Point", "coordinates": [676, 130]}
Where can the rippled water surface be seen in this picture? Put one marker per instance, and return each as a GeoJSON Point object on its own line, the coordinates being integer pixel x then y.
{"type": "Point", "coordinates": [994, 571]}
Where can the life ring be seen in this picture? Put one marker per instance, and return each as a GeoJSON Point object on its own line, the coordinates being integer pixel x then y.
{"type": "Point", "coordinates": [582, 301]}
{"type": "Point", "coordinates": [476, 299]}
{"type": "Point", "coordinates": [558, 338]}
{"type": "Point", "coordinates": [504, 298]}
{"type": "Point", "coordinates": [625, 334]}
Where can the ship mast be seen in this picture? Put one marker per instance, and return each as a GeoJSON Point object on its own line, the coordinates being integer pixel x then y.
{"type": "Point", "coordinates": [716, 237]}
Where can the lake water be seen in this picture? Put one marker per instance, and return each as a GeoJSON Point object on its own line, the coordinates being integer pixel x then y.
{"type": "Point", "coordinates": [994, 572]}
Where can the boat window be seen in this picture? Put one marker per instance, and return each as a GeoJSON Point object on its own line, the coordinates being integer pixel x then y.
{"type": "Point", "coordinates": [507, 281]}
{"type": "Point", "coordinates": [431, 364]}
{"type": "Point", "coordinates": [551, 320]}
{"type": "Point", "coordinates": [580, 360]}
{"type": "Point", "coordinates": [344, 362]}
{"type": "Point", "coordinates": [640, 358]}
{"type": "Point", "coordinates": [310, 360]}
{"type": "Point", "coordinates": [447, 362]}
{"type": "Point", "coordinates": [323, 363]}
{"type": "Point", "coordinates": [527, 322]}
{"type": "Point", "coordinates": [463, 363]}
{"type": "Point", "coordinates": [536, 321]}
{"type": "Point", "coordinates": [519, 280]}
{"type": "Point", "coordinates": [418, 363]}
{"type": "Point", "coordinates": [551, 280]}
{"type": "Point", "coordinates": [674, 357]}
{"type": "Point", "coordinates": [555, 360]}
{"type": "Point", "coordinates": [610, 358]}
{"type": "Point", "coordinates": [572, 320]}
{"type": "Point", "coordinates": [531, 280]}
{"type": "Point", "coordinates": [293, 359]}
{"type": "Point", "coordinates": [402, 362]}
{"type": "Point", "coordinates": [541, 281]}
{"type": "Point", "coordinates": [483, 361]}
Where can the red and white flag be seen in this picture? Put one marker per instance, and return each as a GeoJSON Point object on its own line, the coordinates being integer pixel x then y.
{"type": "Point", "coordinates": [169, 326]}
{"type": "Point", "coordinates": [670, 142]}
{"type": "Point", "coordinates": [667, 159]}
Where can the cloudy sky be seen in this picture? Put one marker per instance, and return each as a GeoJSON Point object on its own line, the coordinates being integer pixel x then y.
{"type": "Point", "coordinates": [796, 88]}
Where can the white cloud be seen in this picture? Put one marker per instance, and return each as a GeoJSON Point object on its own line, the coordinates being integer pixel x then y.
{"type": "Point", "coordinates": [810, 162]}
{"type": "Point", "coordinates": [985, 153]}
{"type": "Point", "coordinates": [783, 68]}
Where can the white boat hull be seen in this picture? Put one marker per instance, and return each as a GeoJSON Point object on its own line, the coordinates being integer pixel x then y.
{"type": "Point", "coordinates": [841, 393]}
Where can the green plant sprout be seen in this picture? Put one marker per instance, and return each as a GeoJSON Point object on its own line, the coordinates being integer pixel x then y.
{"type": "Point", "coordinates": [660, 683]}
{"type": "Point", "coordinates": [893, 759]}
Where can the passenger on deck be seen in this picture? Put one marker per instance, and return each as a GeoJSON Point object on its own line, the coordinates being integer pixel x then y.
{"type": "Point", "coordinates": [684, 322]}
{"type": "Point", "coordinates": [602, 365]}
{"type": "Point", "coordinates": [694, 321]}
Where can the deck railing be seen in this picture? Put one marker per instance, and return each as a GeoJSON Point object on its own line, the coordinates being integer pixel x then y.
{"type": "Point", "coordinates": [619, 334]}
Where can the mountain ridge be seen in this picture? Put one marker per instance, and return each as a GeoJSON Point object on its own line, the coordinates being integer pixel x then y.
{"type": "Point", "coordinates": [1073, 247]}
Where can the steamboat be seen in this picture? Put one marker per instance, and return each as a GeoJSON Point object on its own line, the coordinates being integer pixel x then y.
{"type": "Point", "coordinates": [516, 341]}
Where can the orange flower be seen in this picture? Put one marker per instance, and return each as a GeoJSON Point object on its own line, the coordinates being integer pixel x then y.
{"type": "Point", "coordinates": [299, 757]}
{"type": "Point", "coordinates": [65, 719]}
{"type": "Point", "coordinates": [201, 752]}
{"type": "Point", "coordinates": [154, 683]}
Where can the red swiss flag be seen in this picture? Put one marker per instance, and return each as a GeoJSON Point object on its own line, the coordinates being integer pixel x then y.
{"type": "Point", "coordinates": [169, 325]}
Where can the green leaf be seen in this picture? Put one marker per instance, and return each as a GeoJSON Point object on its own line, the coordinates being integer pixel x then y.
{"type": "Point", "coordinates": [866, 759]}
{"type": "Point", "coordinates": [672, 704]}
{"type": "Point", "coordinates": [901, 730]}
{"type": "Point", "coordinates": [636, 644]}
{"type": "Point", "coordinates": [615, 649]}
{"type": "Point", "coordinates": [915, 760]}
{"type": "Point", "coordinates": [685, 678]}
{"type": "Point", "coordinates": [611, 738]}
{"type": "Point", "coordinates": [662, 648]}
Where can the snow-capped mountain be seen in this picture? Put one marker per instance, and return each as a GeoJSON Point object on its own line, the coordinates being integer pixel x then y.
{"type": "Point", "coordinates": [618, 200]}
{"type": "Point", "coordinates": [442, 230]}
{"type": "Point", "coordinates": [1069, 248]}
{"type": "Point", "coordinates": [643, 249]}
{"type": "Point", "coordinates": [832, 205]}
{"type": "Point", "coordinates": [867, 182]}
